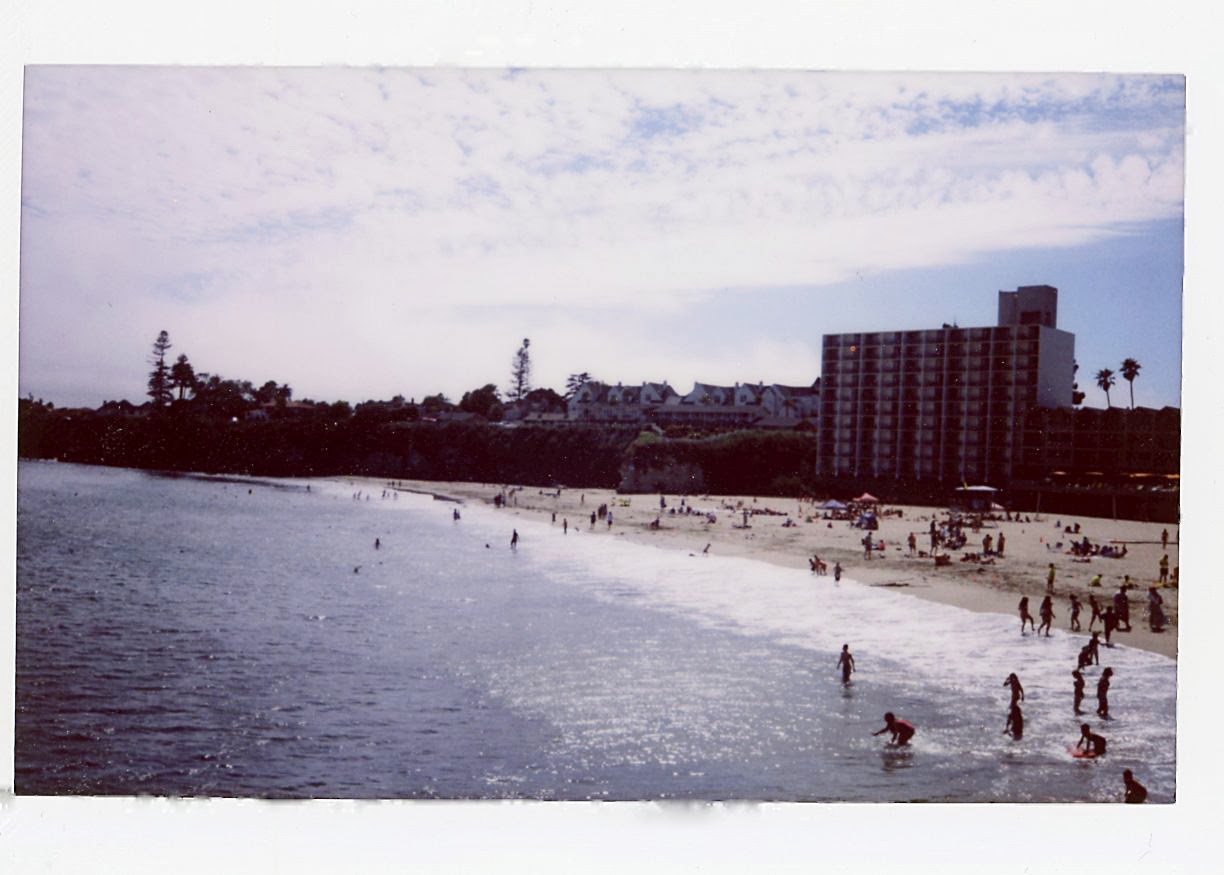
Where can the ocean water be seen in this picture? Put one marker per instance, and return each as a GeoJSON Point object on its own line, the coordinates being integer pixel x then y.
{"type": "Point", "coordinates": [192, 636]}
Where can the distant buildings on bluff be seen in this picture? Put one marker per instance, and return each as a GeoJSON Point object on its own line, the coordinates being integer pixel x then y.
{"type": "Point", "coordinates": [989, 404]}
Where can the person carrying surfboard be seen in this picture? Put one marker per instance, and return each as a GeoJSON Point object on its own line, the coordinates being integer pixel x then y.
{"type": "Point", "coordinates": [1090, 743]}
{"type": "Point", "coordinates": [902, 731]}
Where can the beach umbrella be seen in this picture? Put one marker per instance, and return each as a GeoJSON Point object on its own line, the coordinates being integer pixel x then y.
{"type": "Point", "coordinates": [832, 504]}
{"type": "Point", "coordinates": [867, 498]}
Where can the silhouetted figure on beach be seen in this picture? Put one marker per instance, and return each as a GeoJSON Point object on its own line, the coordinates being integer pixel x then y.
{"type": "Point", "coordinates": [1094, 648]}
{"type": "Point", "coordinates": [1156, 615]}
{"type": "Point", "coordinates": [1017, 691]}
{"type": "Point", "coordinates": [1015, 722]}
{"type": "Point", "coordinates": [1103, 693]}
{"type": "Point", "coordinates": [837, 570]}
{"type": "Point", "coordinates": [1050, 575]}
{"type": "Point", "coordinates": [901, 730]}
{"type": "Point", "coordinates": [1002, 543]}
{"type": "Point", "coordinates": [1122, 609]}
{"type": "Point", "coordinates": [1135, 792]}
{"type": "Point", "coordinates": [1085, 657]}
{"type": "Point", "coordinates": [846, 663]}
{"type": "Point", "coordinates": [1096, 612]}
{"type": "Point", "coordinates": [1164, 539]}
{"type": "Point", "coordinates": [1091, 742]}
{"type": "Point", "coordinates": [1047, 615]}
{"type": "Point", "coordinates": [377, 543]}
{"type": "Point", "coordinates": [1110, 619]}
{"type": "Point", "coordinates": [1164, 569]}
{"type": "Point", "coordinates": [1079, 688]}
{"type": "Point", "coordinates": [1075, 612]}
{"type": "Point", "coordinates": [455, 514]}
{"type": "Point", "coordinates": [514, 540]}
{"type": "Point", "coordinates": [1025, 616]}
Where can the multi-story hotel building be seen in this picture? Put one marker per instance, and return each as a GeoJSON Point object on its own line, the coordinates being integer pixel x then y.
{"type": "Point", "coordinates": [945, 404]}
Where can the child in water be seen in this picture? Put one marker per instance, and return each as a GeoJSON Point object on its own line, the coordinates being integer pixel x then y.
{"type": "Point", "coordinates": [1135, 792]}
{"type": "Point", "coordinates": [1015, 722]}
{"type": "Point", "coordinates": [1090, 741]}
{"type": "Point", "coordinates": [1079, 688]}
{"type": "Point", "coordinates": [1025, 616]}
{"type": "Point", "coordinates": [1017, 691]}
{"type": "Point", "coordinates": [1103, 693]}
{"type": "Point", "coordinates": [846, 663]}
{"type": "Point", "coordinates": [901, 731]}
{"type": "Point", "coordinates": [1047, 615]}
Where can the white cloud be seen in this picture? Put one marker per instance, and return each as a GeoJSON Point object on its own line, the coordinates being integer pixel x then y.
{"type": "Point", "coordinates": [336, 209]}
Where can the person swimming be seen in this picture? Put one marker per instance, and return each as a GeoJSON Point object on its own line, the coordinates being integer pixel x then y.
{"type": "Point", "coordinates": [902, 731]}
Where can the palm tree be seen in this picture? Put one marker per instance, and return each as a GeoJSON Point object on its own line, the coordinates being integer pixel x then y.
{"type": "Point", "coordinates": [1130, 370]}
{"type": "Point", "coordinates": [1105, 379]}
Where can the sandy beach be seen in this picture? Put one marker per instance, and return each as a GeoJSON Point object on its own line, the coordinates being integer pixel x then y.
{"type": "Point", "coordinates": [1032, 543]}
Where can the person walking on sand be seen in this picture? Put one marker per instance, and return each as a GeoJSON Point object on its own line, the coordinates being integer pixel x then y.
{"type": "Point", "coordinates": [912, 543]}
{"type": "Point", "coordinates": [867, 546]}
{"type": "Point", "coordinates": [1164, 539]}
{"type": "Point", "coordinates": [1079, 689]}
{"type": "Point", "coordinates": [1047, 615]}
{"type": "Point", "coordinates": [1135, 792]}
{"type": "Point", "coordinates": [902, 731]}
{"type": "Point", "coordinates": [1122, 608]}
{"type": "Point", "coordinates": [999, 547]}
{"type": "Point", "coordinates": [846, 663]}
{"type": "Point", "coordinates": [1075, 612]}
{"type": "Point", "coordinates": [1025, 616]}
{"type": "Point", "coordinates": [1090, 742]}
{"type": "Point", "coordinates": [1156, 616]}
{"type": "Point", "coordinates": [1096, 612]}
{"type": "Point", "coordinates": [1164, 569]}
{"type": "Point", "coordinates": [1050, 574]}
{"type": "Point", "coordinates": [1015, 722]}
{"type": "Point", "coordinates": [1017, 691]}
{"type": "Point", "coordinates": [1103, 693]}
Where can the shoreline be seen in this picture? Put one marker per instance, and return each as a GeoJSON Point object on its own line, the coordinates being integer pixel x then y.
{"type": "Point", "coordinates": [994, 587]}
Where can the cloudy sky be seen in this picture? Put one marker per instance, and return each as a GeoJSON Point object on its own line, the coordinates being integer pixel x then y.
{"type": "Point", "coordinates": [360, 233]}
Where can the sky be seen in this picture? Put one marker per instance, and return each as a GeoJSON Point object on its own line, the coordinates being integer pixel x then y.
{"type": "Point", "coordinates": [364, 232]}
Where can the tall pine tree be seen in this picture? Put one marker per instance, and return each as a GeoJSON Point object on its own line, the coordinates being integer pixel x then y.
{"type": "Point", "coordinates": [159, 377]}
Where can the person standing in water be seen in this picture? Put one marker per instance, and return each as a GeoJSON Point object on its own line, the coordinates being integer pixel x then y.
{"type": "Point", "coordinates": [837, 570]}
{"type": "Point", "coordinates": [1025, 616]}
{"type": "Point", "coordinates": [1079, 689]}
{"type": "Point", "coordinates": [902, 731]}
{"type": "Point", "coordinates": [1075, 612]}
{"type": "Point", "coordinates": [1135, 792]}
{"type": "Point", "coordinates": [1103, 693]}
{"type": "Point", "coordinates": [846, 663]}
{"type": "Point", "coordinates": [1017, 691]}
{"type": "Point", "coordinates": [1047, 615]}
{"type": "Point", "coordinates": [1015, 722]}
{"type": "Point", "coordinates": [514, 540]}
